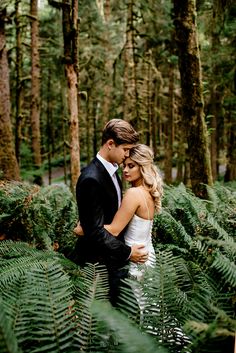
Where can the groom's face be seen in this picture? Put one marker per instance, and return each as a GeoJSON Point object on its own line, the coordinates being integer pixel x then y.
{"type": "Point", "coordinates": [118, 153]}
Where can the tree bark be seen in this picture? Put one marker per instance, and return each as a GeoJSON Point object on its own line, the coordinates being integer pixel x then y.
{"type": "Point", "coordinates": [70, 33]}
{"type": "Point", "coordinates": [216, 94]}
{"type": "Point", "coordinates": [169, 130]}
{"type": "Point", "coordinates": [35, 85]}
{"type": "Point", "coordinates": [192, 96]}
{"type": "Point", "coordinates": [230, 173]}
{"type": "Point", "coordinates": [130, 90]}
{"type": "Point", "coordinates": [19, 85]}
{"type": "Point", "coordinates": [109, 53]}
{"type": "Point", "coordinates": [9, 168]}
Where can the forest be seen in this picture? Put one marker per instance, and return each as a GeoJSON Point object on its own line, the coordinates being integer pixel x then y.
{"type": "Point", "coordinates": [66, 68]}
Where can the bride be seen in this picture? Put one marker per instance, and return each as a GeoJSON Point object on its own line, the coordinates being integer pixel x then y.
{"type": "Point", "coordinates": [139, 204]}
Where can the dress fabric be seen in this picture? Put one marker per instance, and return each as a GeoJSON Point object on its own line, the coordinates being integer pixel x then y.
{"type": "Point", "coordinates": [139, 231]}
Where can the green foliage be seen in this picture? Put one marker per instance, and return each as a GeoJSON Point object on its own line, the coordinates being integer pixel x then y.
{"type": "Point", "coordinates": [49, 304]}
{"type": "Point", "coordinates": [129, 336]}
{"type": "Point", "coordinates": [39, 215]}
{"type": "Point", "coordinates": [8, 341]}
{"type": "Point", "coordinates": [201, 237]}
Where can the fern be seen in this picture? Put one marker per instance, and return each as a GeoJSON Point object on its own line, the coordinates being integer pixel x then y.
{"type": "Point", "coordinates": [8, 340]}
{"type": "Point", "coordinates": [226, 268]}
{"type": "Point", "coordinates": [165, 290]}
{"type": "Point", "coordinates": [92, 286]}
{"type": "Point", "coordinates": [37, 215]}
{"type": "Point", "coordinates": [167, 229]}
{"type": "Point", "coordinates": [44, 323]}
{"type": "Point", "coordinates": [52, 305]}
{"type": "Point", "coordinates": [129, 337]}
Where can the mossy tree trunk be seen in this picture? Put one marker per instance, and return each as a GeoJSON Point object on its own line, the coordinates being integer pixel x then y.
{"type": "Point", "coordinates": [169, 128]}
{"type": "Point", "coordinates": [9, 168]}
{"type": "Point", "coordinates": [70, 33]}
{"type": "Point", "coordinates": [19, 81]}
{"type": "Point", "coordinates": [35, 85]}
{"type": "Point", "coordinates": [130, 89]}
{"type": "Point", "coordinates": [106, 102]}
{"type": "Point", "coordinates": [216, 87]}
{"type": "Point", "coordinates": [230, 173]}
{"type": "Point", "coordinates": [192, 96]}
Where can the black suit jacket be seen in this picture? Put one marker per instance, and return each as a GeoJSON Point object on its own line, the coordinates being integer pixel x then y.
{"type": "Point", "coordinates": [97, 204]}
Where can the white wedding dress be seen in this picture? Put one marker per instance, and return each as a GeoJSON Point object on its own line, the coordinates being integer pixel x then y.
{"type": "Point", "coordinates": [139, 231]}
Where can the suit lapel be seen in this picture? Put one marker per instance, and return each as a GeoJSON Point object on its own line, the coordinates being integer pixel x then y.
{"type": "Point", "coordinates": [107, 180]}
{"type": "Point", "coordinates": [120, 184]}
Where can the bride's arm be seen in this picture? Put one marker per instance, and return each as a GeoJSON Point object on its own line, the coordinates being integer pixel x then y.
{"type": "Point", "coordinates": [128, 207]}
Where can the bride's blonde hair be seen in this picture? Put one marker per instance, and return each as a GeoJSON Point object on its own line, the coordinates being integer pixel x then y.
{"type": "Point", "coordinates": [152, 181]}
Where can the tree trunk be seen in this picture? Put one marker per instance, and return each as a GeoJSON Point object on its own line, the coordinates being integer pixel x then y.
{"type": "Point", "coordinates": [19, 85]}
{"type": "Point", "coordinates": [169, 131]}
{"type": "Point", "coordinates": [145, 88]}
{"type": "Point", "coordinates": [156, 111]}
{"type": "Point", "coordinates": [192, 96]}
{"type": "Point", "coordinates": [64, 127]}
{"type": "Point", "coordinates": [130, 91]}
{"type": "Point", "coordinates": [9, 168]}
{"type": "Point", "coordinates": [109, 53]}
{"type": "Point", "coordinates": [70, 33]}
{"type": "Point", "coordinates": [49, 128]}
{"type": "Point", "coordinates": [35, 85]}
{"type": "Point", "coordinates": [215, 99]}
{"type": "Point", "coordinates": [230, 173]}
{"type": "Point", "coordinates": [180, 139]}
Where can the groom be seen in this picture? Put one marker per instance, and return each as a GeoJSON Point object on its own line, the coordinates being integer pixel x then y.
{"type": "Point", "coordinates": [98, 194]}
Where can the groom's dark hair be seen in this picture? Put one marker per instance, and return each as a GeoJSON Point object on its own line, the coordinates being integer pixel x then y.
{"type": "Point", "coordinates": [120, 131]}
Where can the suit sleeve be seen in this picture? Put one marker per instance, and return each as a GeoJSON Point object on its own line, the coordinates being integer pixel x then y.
{"type": "Point", "coordinates": [91, 214]}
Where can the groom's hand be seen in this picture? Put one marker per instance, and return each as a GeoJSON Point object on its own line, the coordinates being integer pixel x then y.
{"type": "Point", "coordinates": [138, 253]}
{"type": "Point", "coordinates": [78, 230]}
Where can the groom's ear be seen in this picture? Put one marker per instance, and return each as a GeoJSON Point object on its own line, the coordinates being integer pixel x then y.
{"type": "Point", "coordinates": [110, 143]}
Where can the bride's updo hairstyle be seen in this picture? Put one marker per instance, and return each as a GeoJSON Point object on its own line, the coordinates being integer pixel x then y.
{"type": "Point", "coordinates": [152, 181]}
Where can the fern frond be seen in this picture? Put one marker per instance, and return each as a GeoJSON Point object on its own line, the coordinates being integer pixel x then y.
{"type": "Point", "coordinates": [226, 268]}
{"type": "Point", "coordinates": [8, 340]}
{"type": "Point", "coordinates": [229, 242]}
{"type": "Point", "coordinates": [37, 215]}
{"type": "Point", "coordinates": [10, 249]}
{"type": "Point", "coordinates": [166, 228]}
{"type": "Point", "coordinates": [44, 323]}
{"type": "Point", "coordinates": [209, 337]}
{"type": "Point", "coordinates": [128, 336]}
{"type": "Point", "coordinates": [93, 285]}
{"type": "Point", "coordinates": [165, 289]}
{"type": "Point", "coordinates": [25, 258]}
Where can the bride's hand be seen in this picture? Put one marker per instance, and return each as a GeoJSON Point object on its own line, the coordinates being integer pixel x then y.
{"type": "Point", "coordinates": [78, 230]}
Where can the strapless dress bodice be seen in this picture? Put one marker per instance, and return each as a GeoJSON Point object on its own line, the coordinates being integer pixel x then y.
{"type": "Point", "coordinates": [139, 231]}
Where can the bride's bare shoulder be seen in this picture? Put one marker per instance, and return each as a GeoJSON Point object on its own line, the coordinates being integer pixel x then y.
{"type": "Point", "coordinates": [131, 192]}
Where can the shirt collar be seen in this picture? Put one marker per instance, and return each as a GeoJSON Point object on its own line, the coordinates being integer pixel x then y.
{"type": "Point", "coordinates": [110, 167]}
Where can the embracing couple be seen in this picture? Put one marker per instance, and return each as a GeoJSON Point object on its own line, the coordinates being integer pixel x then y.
{"type": "Point", "coordinates": [117, 231]}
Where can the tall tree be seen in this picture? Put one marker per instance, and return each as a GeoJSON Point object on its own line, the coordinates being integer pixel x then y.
{"type": "Point", "coordinates": [19, 81]}
{"type": "Point", "coordinates": [9, 168]}
{"type": "Point", "coordinates": [230, 173]}
{"type": "Point", "coordinates": [169, 127]}
{"type": "Point", "coordinates": [35, 84]}
{"type": "Point", "coordinates": [70, 25]}
{"type": "Point", "coordinates": [70, 33]}
{"type": "Point", "coordinates": [192, 95]}
{"type": "Point", "coordinates": [130, 89]}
